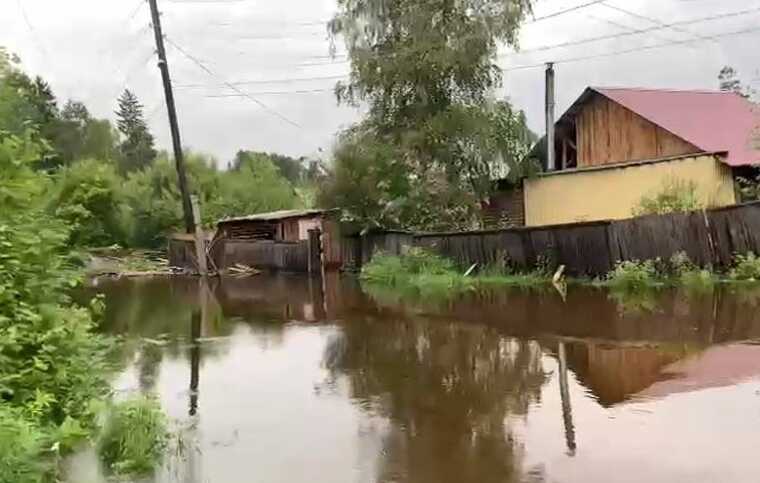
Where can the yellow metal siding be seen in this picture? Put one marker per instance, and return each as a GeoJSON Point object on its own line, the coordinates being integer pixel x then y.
{"type": "Point", "coordinates": [614, 192]}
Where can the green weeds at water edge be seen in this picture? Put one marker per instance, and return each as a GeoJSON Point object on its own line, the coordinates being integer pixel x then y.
{"type": "Point", "coordinates": [134, 437]}
{"type": "Point", "coordinates": [421, 270]}
{"type": "Point", "coordinates": [746, 268]}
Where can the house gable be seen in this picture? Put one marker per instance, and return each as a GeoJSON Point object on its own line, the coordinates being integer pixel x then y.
{"type": "Point", "coordinates": [607, 133]}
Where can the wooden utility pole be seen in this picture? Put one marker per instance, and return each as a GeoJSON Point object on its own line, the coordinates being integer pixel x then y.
{"type": "Point", "coordinates": [200, 238]}
{"type": "Point", "coordinates": [179, 159]}
{"type": "Point", "coordinates": [550, 154]}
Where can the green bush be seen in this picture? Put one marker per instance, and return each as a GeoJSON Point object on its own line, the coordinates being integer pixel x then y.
{"type": "Point", "coordinates": [134, 437]}
{"type": "Point", "coordinates": [52, 363]}
{"type": "Point", "coordinates": [675, 196]}
{"type": "Point", "coordinates": [689, 275]}
{"type": "Point", "coordinates": [88, 198]}
{"type": "Point", "coordinates": [746, 267]}
{"type": "Point", "coordinates": [633, 275]}
{"type": "Point", "coordinates": [21, 449]}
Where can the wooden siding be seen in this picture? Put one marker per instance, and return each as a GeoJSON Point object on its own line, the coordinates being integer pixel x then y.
{"type": "Point", "coordinates": [609, 133]}
{"type": "Point", "coordinates": [613, 192]}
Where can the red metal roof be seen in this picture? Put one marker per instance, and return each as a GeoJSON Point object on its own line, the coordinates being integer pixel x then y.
{"type": "Point", "coordinates": [713, 121]}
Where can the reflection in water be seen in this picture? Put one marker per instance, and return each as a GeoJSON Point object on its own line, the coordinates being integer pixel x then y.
{"type": "Point", "coordinates": [284, 379]}
{"type": "Point", "coordinates": [447, 389]}
{"type": "Point", "coordinates": [567, 410]}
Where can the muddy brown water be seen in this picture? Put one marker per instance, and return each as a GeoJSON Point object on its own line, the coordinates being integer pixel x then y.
{"type": "Point", "coordinates": [281, 379]}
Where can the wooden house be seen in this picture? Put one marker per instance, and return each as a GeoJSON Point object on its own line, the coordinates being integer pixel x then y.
{"type": "Point", "coordinates": [615, 146]}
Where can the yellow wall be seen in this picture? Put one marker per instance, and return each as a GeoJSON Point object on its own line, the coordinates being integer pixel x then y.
{"type": "Point", "coordinates": [613, 192]}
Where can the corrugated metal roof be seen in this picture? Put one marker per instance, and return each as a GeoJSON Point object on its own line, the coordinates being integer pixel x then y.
{"type": "Point", "coordinates": [277, 215]}
{"type": "Point", "coordinates": [713, 121]}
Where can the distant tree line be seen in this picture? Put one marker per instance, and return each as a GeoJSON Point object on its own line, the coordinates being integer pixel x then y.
{"type": "Point", "coordinates": [111, 184]}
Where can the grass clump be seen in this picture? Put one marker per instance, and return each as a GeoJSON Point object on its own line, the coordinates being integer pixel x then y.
{"type": "Point", "coordinates": [633, 275]}
{"type": "Point", "coordinates": [746, 268]}
{"type": "Point", "coordinates": [418, 269]}
{"type": "Point", "coordinates": [134, 437]}
{"type": "Point", "coordinates": [431, 274]}
{"type": "Point", "coordinates": [22, 448]}
{"type": "Point", "coordinates": [689, 275]}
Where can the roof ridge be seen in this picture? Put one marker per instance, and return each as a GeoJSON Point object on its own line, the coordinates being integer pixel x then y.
{"type": "Point", "coordinates": [662, 89]}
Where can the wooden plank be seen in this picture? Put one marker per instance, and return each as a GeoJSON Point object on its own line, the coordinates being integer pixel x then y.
{"type": "Point", "coordinates": [607, 132]}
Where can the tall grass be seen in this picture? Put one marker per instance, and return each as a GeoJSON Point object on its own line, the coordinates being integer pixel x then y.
{"type": "Point", "coordinates": [134, 437]}
{"type": "Point", "coordinates": [22, 444]}
{"type": "Point", "coordinates": [431, 274]}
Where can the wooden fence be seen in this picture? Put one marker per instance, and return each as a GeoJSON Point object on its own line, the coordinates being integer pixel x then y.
{"type": "Point", "coordinates": [267, 255]}
{"type": "Point", "coordinates": [709, 238]}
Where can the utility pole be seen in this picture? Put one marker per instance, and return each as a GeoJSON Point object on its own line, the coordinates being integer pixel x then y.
{"type": "Point", "coordinates": [179, 160]}
{"type": "Point", "coordinates": [550, 154]}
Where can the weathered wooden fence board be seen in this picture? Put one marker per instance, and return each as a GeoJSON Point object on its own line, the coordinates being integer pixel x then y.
{"type": "Point", "coordinates": [661, 236]}
{"type": "Point", "coordinates": [734, 230]}
{"type": "Point", "coordinates": [292, 257]}
{"type": "Point", "coordinates": [709, 237]}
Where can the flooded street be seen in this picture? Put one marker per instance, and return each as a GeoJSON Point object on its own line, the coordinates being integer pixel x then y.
{"type": "Point", "coordinates": [279, 379]}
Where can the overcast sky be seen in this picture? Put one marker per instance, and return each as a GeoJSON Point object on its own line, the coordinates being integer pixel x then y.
{"type": "Point", "coordinates": [90, 50]}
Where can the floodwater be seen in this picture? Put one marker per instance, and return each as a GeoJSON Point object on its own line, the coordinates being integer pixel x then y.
{"type": "Point", "coordinates": [282, 379]}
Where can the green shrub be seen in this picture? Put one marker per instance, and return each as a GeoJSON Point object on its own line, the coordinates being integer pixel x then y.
{"type": "Point", "coordinates": [675, 196]}
{"type": "Point", "coordinates": [634, 275]}
{"type": "Point", "coordinates": [88, 199]}
{"type": "Point", "coordinates": [52, 363]}
{"type": "Point", "coordinates": [134, 437]}
{"type": "Point", "coordinates": [21, 449]}
{"type": "Point", "coordinates": [689, 275]}
{"type": "Point", "coordinates": [746, 267]}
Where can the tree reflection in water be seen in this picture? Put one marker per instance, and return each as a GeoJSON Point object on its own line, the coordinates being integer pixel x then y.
{"type": "Point", "coordinates": [448, 390]}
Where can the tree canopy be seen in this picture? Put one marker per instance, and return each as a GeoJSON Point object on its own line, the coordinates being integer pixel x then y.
{"type": "Point", "coordinates": [427, 71]}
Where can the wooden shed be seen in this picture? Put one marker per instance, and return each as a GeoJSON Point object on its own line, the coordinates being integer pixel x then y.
{"type": "Point", "coordinates": [287, 226]}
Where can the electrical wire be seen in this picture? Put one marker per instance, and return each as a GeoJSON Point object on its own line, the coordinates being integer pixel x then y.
{"type": "Point", "coordinates": [633, 50]}
{"type": "Point", "coordinates": [652, 20]}
{"type": "Point", "coordinates": [266, 81]}
{"type": "Point", "coordinates": [242, 93]}
{"type": "Point", "coordinates": [630, 32]}
{"type": "Point", "coordinates": [136, 10]}
{"type": "Point", "coordinates": [563, 12]}
{"type": "Point", "coordinates": [271, 93]}
{"type": "Point", "coordinates": [661, 26]}
{"type": "Point", "coordinates": [558, 61]}
{"type": "Point", "coordinates": [32, 30]}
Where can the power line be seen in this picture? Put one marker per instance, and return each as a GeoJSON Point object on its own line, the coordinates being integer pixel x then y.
{"type": "Point", "coordinates": [32, 30]}
{"type": "Point", "coordinates": [622, 26]}
{"type": "Point", "coordinates": [567, 10]}
{"type": "Point", "coordinates": [136, 10]}
{"type": "Point", "coordinates": [651, 20]}
{"type": "Point", "coordinates": [519, 67]}
{"type": "Point", "coordinates": [559, 61]}
{"type": "Point", "coordinates": [633, 50]}
{"type": "Point", "coordinates": [203, 67]}
{"type": "Point", "coordinates": [271, 93]}
{"type": "Point", "coordinates": [266, 81]}
{"type": "Point", "coordinates": [661, 26]}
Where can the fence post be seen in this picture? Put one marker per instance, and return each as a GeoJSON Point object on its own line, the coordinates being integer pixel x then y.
{"type": "Point", "coordinates": [315, 252]}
